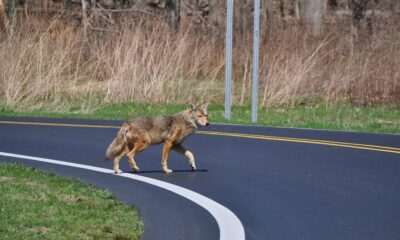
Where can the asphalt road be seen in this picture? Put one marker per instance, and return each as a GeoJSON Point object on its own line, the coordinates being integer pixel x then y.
{"type": "Point", "coordinates": [281, 183]}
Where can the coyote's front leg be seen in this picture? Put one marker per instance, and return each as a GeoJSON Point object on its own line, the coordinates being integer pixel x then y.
{"type": "Point", "coordinates": [166, 149]}
{"type": "Point", "coordinates": [178, 148]}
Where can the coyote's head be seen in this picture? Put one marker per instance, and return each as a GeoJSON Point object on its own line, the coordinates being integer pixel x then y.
{"type": "Point", "coordinates": [199, 114]}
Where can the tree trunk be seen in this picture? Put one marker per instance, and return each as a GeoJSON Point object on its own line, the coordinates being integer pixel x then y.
{"type": "Point", "coordinates": [311, 13]}
{"type": "Point", "coordinates": [85, 15]}
{"type": "Point", "coordinates": [10, 11]}
{"type": "Point", "coordinates": [216, 9]}
{"type": "Point", "coordinates": [10, 8]}
{"type": "Point", "coordinates": [66, 4]}
{"type": "Point", "coordinates": [358, 8]}
{"type": "Point", "coordinates": [173, 13]}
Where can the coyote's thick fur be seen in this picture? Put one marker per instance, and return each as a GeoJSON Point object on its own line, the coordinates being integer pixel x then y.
{"type": "Point", "coordinates": [135, 135]}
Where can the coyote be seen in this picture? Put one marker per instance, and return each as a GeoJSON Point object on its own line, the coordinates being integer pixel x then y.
{"type": "Point", "coordinates": [135, 135]}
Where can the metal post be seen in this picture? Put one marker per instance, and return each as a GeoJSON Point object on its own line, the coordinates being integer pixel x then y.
{"type": "Point", "coordinates": [228, 65]}
{"type": "Point", "coordinates": [256, 43]}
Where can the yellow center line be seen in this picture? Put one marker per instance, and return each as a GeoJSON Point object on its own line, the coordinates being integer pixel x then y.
{"type": "Point", "coordinates": [59, 124]}
{"type": "Point", "coordinates": [240, 135]}
{"type": "Point", "coordinates": [316, 141]}
{"type": "Point", "coordinates": [311, 141]}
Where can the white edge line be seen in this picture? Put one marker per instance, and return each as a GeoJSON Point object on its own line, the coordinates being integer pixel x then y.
{"type": "Point", "coordinates": [229, 224]}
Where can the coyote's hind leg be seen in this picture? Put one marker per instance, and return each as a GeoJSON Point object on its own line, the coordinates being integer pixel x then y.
{"type": "Point", "coordinates": [139, 146]}
{"type": "Point", "coordinates": [116, 163]}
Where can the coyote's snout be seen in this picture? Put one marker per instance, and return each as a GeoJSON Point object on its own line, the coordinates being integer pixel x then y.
{"type": "Point", "coordinates": [135, 135]}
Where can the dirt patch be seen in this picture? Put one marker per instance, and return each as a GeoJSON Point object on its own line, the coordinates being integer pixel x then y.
{"type": "Point", "coordinates": [6, 179]}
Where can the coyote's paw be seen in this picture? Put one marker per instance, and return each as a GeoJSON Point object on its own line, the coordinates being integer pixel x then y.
{"type": "Point", "coordinates": [167, 170]}
{"type": "Point", "coordinates": [136, 169]}
{"type": "Point", "coordinates": [118, 171]}
{"type": "Point", "coordinates": [192, 162]}
{"type": "Point", "coordinates": [193, 166]}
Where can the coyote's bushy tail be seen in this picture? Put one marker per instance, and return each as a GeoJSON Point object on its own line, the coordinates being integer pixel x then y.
{"type": "Point", "coordinates": [116, 146]}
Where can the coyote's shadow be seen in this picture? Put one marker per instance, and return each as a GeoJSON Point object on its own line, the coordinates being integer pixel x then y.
{"type": "Point", "coordinates": [174, 171]}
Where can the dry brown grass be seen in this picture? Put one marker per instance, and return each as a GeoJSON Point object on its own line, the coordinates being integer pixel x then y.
{"type": "Point", "coordinates": [149, 63]}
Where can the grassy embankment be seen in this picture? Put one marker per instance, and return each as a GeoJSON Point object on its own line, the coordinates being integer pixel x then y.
{"type": "Point", "coordinates": [39, 205]}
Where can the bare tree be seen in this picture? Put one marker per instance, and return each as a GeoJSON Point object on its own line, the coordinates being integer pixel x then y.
{"type": "Point", "coordinates": [67, 4]}
{"type": "Point", "coordinates": [216, 9]}
{"type": "Point", "coordinates": [173, 13]}
{"type": "Point", "coordinates": [358, 8]}
{"type": "Point", "coordinates": [273, 8]}
{"type": "Point", "coordinates": [10, 11]}
{"type": "Point", "coordinates": [10, 7]}
{"type": "Point", "coordinates": [85, 15]}
{"type": "Point", "coordinates": [333, 4]}
{"type": "Point", "coordinates": [312, 12]}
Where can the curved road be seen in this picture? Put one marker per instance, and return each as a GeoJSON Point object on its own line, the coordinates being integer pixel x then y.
{"type": "Point", "coordinates": [281, 183]}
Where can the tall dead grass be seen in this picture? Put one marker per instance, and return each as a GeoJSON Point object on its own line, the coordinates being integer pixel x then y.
{"type": "Point", "coordinates": [159, 66]}
{"type": "Point", "coordinates": [149, 63]}
{"type": "Point", "coordinates": [36, 67]}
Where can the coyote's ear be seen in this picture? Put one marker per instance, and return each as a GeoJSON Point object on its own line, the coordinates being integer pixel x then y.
{"type": "Point", "coordinates": [193, 107]}
{"type": "Point", "coordinates": [204, 106]}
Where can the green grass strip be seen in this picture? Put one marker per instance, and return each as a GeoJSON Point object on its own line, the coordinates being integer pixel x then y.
{"type": "Point", "coordinates": [39, 205]}
{"type": "Point", "coordinates": [382, 119]}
